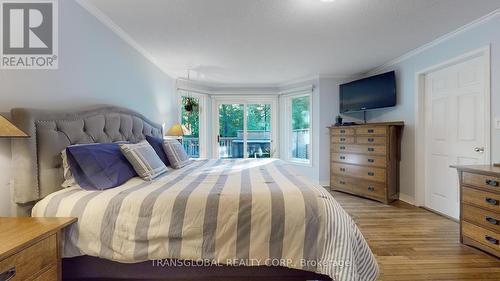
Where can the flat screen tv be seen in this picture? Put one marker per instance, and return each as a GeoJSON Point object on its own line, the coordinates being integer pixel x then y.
{"type": "Point", "coordinates": [374, 92]}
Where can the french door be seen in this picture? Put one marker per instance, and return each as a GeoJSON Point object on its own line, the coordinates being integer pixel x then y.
{"type": "Point", "coordinates": [245, 127]}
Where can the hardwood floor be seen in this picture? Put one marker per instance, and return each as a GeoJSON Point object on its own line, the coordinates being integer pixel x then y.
{"type": "Point", "coordinates": [412, 243]}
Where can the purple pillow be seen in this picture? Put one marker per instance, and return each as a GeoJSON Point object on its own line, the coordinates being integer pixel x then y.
{"type": "Point", "coordinates": [99, 166]}
{"type": "Point", "coordinates": [157, 144]}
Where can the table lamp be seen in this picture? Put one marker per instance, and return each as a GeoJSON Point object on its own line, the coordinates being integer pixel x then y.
{"type": "Point", "coordinates": [8, 130]}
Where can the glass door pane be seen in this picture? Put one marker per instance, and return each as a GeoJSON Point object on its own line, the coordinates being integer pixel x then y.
{"type": "Point", "coordinates": [231, 138]}
{"type": "Point", "coordinates": [190, 111]}
{"type": "Point", "coordinates": [258, 130]}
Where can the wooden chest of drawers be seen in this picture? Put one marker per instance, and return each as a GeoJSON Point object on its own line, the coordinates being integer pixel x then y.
{"type": "Point", "coordinates": [30, 248]}
{"type": "Point", "coordinates": [480, 207]}
{"type": "Point", "coordinates": [365, 160]}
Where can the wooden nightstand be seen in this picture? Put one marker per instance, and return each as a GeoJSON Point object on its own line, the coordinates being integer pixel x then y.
{"type": "Point", "coordinates": [30, 248]}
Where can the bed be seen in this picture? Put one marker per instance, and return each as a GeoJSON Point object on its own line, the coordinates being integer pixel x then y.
{"type": "Point", "coordinates": [213, 219]}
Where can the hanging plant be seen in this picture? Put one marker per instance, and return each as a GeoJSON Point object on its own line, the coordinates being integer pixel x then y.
{"type": "Point", "coordinates": [190, 104]}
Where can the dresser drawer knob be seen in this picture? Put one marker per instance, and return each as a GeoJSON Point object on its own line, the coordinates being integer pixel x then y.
{"type": "Point", "coordinates": [342, 169]}
{"type": "Point", "coordinates": [371, 188]}
{"type": "Point", "coordinates": [491, 201]}
{"type": "Point", "coordinates": [371, 149]}
{"type": "Point", "coordinates": [371, 139]}
{"type": "Point", "coordinates": [342, 131]}
{"type": "Point", "coordinates": [342, 139]}
{"type": "Point", "coordinates": [342, 182]}
{"type": "Point", "coordinates": [370, 131]}
{"type": "Point", "coordinates": [492, 182]}
{"type": "Point", "coordinates": [342, 157]}
{"type": "Point", "coordinates": [371, 160]}
{"type": "Point", "coordinates": [9, 274]}
{"type": "Point", "coordinates": [371, 174]}
{"type": "Point", "coordinates": [491, 220]}
{"type": "Point", "coordinates": [491, 240]}
{"type": "Point", "coordinates": [342, 148]}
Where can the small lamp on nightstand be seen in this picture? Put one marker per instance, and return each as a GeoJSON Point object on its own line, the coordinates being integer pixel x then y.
{"type": "Point", "coordinates": [8, 130]}
{"type": "Point", "coordinates": [178, 131]}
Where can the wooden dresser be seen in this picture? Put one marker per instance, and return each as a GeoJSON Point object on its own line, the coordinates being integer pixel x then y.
{"type": "Point", "coordinates": [30, 248]}
{"type": "Point", "coordinates": [365, 160]}
{"type": "Point", "coordinates": [480, 207]}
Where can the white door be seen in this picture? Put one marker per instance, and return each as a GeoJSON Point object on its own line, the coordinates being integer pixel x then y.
{"type": "Point", "coordinates": [457, 129]}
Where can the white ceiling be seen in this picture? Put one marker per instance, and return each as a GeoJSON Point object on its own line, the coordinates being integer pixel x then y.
{"type": "Point", "coordinates": [268, 42]}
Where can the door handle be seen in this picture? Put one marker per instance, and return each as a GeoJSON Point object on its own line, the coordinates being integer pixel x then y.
{"type": "Point", "coordinates": [218, 138]}
{"type": "Point", "coordinates": [479, 149]}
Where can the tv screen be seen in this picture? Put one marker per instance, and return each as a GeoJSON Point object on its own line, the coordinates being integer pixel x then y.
{"type": "Point", "coordinates": [369, 93]}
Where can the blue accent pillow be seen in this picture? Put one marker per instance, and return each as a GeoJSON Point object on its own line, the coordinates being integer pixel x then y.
{"type": "Point", "coordinates": [99, 166]}
{"type": "Point", "coordinates": [157, 144]}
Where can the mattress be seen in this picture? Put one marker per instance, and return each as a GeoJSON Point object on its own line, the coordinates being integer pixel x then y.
{"type": "Point", "coordinates": [233, 212]}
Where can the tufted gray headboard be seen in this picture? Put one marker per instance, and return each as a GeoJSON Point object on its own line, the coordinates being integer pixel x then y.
{"type": "Point", "coordinates": [36, 161]}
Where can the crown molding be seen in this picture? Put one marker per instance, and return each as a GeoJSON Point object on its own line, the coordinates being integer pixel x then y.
{"type": "Point", "coordinates": [437, 41]}
{"type": "Point", "coordinates": [104, 19]}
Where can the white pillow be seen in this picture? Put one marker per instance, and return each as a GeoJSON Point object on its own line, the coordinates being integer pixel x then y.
{"type": "Point", "coordinates": [69, 180]}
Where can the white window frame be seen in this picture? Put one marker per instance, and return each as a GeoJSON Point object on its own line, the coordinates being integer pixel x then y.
{"type": "Point", "coordinates": [203, 107]}
{"type": "Point", "coordinates": [287, 125]}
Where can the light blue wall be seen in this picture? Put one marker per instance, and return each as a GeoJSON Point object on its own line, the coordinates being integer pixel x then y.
{"type": "Point", "coordinates": [95, 67]}
{"type": "Point", "coordinates": [480, 36]}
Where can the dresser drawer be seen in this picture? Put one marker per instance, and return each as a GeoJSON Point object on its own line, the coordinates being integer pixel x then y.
{"type": "Point", "coordinates": [371, 140]}
{"type": "Point", "coordinates": [487, 182]}
{"type": "Point", "coordinates": [483, 236]}
{"type": "Point", "coordinates": [49, 275]}
{"type": "Point", "coordinates": [371, 131]}
{"type": "Point", "coordinates": [368, 173]}
{"type": "Point", "coordinates": [357, 148]}
{"type": "Point", "coordinates": [360, 159]}
{"type": "Point", "coordinates": [342, 131]}
{"type": "Point", "coordinates": [478, 216]}
{"type": "Point", "coordinates": [33, 259]}
{"type": "Point", "coordinates": [342, 139]}
{"type": "Point", "coordinates": [484, 199]}
{"type": "Point", "coordinates": [370, 189]}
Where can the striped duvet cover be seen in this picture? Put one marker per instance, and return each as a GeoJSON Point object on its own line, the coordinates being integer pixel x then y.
{"type": "Point", "coordinates": [236, 212]}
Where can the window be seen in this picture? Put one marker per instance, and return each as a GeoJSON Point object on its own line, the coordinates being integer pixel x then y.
{"type": "Point", "coordinates": [193, 117]}
{"type": "Point", "coordinates": [297, 122]}
{"type": "Point", "coordinates": [190, 117]}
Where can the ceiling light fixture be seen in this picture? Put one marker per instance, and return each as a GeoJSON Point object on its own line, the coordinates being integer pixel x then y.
{"type": "Point", "coordinates": [326, 0]}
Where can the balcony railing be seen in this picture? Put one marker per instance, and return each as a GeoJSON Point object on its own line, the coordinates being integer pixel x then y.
{"type": "Point", "coordinates": [258, 146]}
{"type": "Point", "coordinates": [300, 144]}
{"type": "Point", "coordinates": [192, 146]}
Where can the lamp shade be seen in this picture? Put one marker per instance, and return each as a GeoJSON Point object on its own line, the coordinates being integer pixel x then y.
{"type": "Point", "coordinates": [8, 130]}
{"type": "Point", "coordinates": [178, 130]}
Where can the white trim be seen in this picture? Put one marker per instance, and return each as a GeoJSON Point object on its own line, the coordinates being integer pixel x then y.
{"type": "Point", "coordinates": [420, 115]}
{"type": "Point", "coordinates": [298, 90]}
{"type": "Point", "coordinates": [192, 91]}
{"type": "Point", "coordinates": [104, 19]}
{"type": "Point", "coordinates": [437, 41]}
{"type": "Point", "coordinates": [324, 183]}
{"type": "Point", "coordinates": [203, 129]}
{"type": "Point", "coordinates": [407, 198]}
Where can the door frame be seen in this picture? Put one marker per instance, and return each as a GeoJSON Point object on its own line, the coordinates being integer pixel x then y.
{"type": "Point", "coordinates": [245, 100]}
{"type": "Point", "coordinates": [420, 137]}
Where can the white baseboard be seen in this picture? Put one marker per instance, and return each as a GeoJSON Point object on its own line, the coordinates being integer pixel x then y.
{"type": "Point", "coordinates": [407, 198]}
{"type": "Point", "coordinates": [324, 183]}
